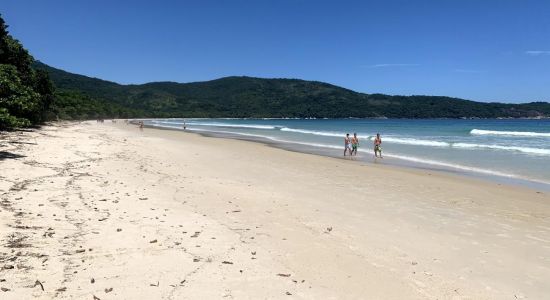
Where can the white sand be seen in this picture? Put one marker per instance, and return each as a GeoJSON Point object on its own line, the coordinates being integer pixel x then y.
{"type": "Point", "coordinates": [89, 201]}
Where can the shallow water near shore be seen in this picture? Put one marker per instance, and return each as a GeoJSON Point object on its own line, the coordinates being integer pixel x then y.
{"type": "Point", "coordinates": [510, 151]}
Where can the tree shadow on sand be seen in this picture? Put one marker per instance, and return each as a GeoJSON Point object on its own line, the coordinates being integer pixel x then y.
{"type": "Point", "coordinates": [9, 155]}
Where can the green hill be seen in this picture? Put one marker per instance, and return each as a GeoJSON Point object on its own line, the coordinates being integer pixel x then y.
{"type": "Point", "coordinates": [258, 97]}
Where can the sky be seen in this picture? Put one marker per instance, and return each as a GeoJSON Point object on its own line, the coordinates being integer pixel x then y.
{"type": "Point", "coordinates": [484, 50]}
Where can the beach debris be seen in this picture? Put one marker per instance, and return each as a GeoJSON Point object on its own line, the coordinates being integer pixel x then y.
{"type": "Point", "coordinates": [329, 229]}
{"type": "Point", "coordinates": [227, 262]}
{"type": "Point", "coordinates": [144, 198]}
{"type": "Point", "coordinates": [288, 293]}
{"type": "Point", "coordinates": [119, 230]}
{"type": "Point", "coordinates": [4, 289]}
{"type": "Point", "coordinates": [96, 298]}
{"type": "Point", "coordinates": [108, 290]}
{"type": "Point", "coordinates": [39, 283]}
{"type": "Point", "coordinates": [63, 289]}
{"type": "Point", "coordinates": [152, 284]}
{"type": "Point", "coordinates": [153, 241]}
{"type": "Point", "coordinates": [236, 211]}
{"type": "Point", "coordinates": [283, 275]}
{"type": "Point", "coordinates": [196, 234]}
{"type": "Point", "coordinates": [414, 263]}
{"type": "Point", "coordinates": [8, 267]}
{"type": "Point", "coordinates": [196, 259]}
{"type": "Point", "coordinates": [183, 281]}
{"type": "Point", "coordinates": [80, 250]}
{"type": "Point", "coordinates": [49, 232]}
{"type": "Point", "coordinates": [92, 281]}
{"type": "Point", "coordinates": [102, 219]}
{"type": "Point", "coordinates": [253, 252]}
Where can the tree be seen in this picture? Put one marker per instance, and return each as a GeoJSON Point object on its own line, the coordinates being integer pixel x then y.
{"type": "Point", "coordinates": [25, 94]}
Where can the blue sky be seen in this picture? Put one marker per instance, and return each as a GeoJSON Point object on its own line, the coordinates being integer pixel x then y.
{"type": "Point", "coordinates": [486, 50]}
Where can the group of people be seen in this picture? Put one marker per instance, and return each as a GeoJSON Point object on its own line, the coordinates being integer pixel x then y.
{"type": "Point", "coordinates": [352, 143]}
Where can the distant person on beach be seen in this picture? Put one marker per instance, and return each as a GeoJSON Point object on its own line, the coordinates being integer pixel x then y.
{"type": "Point", "coordinates": [378, 145]}
{"type": "Point", "coordinates": [347, 144]}
{"type": "Point", "coordinates": [184, 125]}
{"type": "Point", "coordinates": [140, 125]}
{"type": "Point", "coordinates": [354, 144]}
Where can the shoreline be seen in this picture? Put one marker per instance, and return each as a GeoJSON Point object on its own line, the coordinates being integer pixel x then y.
{"type": "Point", "coordinates": [394, 161]}
{"type": "Point", "coordinates": [109, 211]}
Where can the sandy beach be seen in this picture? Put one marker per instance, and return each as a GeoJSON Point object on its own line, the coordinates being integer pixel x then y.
{"type": "Point", "coordinates": [106, 211]}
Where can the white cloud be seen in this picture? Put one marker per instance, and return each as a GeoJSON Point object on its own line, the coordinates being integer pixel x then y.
{"type": "Point", "coordinates": [537, 52]}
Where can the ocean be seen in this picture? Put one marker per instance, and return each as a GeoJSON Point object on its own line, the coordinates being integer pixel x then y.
{"type": "Point", "coordinates": [515, 151]}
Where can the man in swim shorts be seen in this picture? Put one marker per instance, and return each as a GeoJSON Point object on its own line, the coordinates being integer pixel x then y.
{"type": "Point", "coordinates": [354, 144]}
{"type": "Point", "coordinates": [347, 144]}
{"type": "Point", "coordinates": [378, 146]}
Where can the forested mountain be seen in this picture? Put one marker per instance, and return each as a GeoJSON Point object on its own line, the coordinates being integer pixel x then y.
{"type": "Point", "coordinates": [258, 97]}
{"type": "Point", "coordinates": [28, 97]}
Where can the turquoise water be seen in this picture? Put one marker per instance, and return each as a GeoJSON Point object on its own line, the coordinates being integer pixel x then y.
{"type": "Point", "coordinates": [505, 149]}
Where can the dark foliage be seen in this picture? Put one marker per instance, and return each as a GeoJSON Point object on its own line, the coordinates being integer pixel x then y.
{"type": "Point", "coordinates": [25, 94]}
{"type": "Point", "coordinates": [257, 97]}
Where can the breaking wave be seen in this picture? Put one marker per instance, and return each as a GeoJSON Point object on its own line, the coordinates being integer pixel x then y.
{"type": "Point", "coordinates": [509, 133]}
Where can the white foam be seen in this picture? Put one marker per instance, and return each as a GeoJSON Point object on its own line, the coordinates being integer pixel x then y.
{"type": "Point", "coordinates": [321, 133]}
{"type": "Point", "coordinates": [253, 126]}
{"type": "Point", "coordinates": [451, 166]}
{"type": "Point", "coordinates": [273, 139]}
{"type": "Point", "coordinates": [236, 133]}
{"type": "Point", "coordinates": [528, 150]}
{"type": "Point", "coordinates": [416, 142]}
{"type": "Point", "coordinates": [509, 133]}
{"type": "Point", "coordinates": [168, 126]}
{"type": "Point", "coordinates": [465, 168]}
{"type": "Point", "coordinates": [166, 122]}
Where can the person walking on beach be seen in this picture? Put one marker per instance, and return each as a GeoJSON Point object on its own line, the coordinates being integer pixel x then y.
{"type": "Point", "coordinates": [354, 144]}
{"type": "Point", "coordinates": [347, 144]}
{"type": "Point", "coordinates": [378, 146]}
